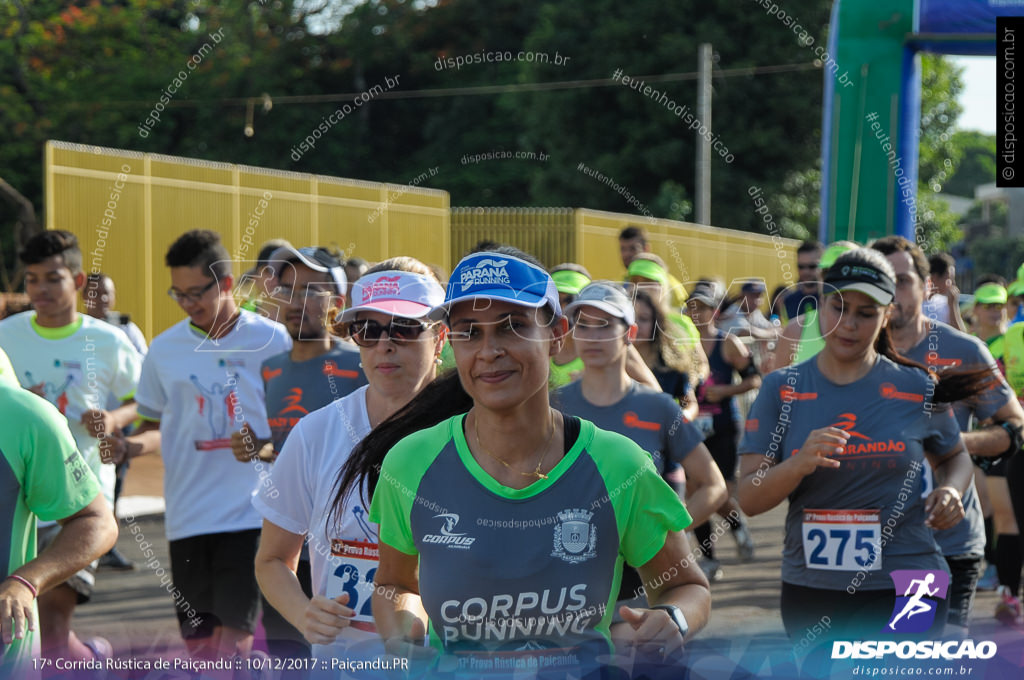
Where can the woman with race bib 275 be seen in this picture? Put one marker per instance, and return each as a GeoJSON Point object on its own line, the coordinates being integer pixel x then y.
{"type": "Point", "coordinates": [845, 436]}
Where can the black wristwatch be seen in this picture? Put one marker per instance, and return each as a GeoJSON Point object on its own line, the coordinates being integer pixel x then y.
{"type": "Point", "coordinates": [677, 617]}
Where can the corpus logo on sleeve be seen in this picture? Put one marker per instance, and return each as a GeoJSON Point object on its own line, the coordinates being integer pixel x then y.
{"type": "Point", "coordinates": [485, 272]}
{"type": "Point", "coordinates": [448, 536]}
{"type": "Point", "coordinates": [914, 611]}
{"type": "Point", "coordinates": [575, 536]}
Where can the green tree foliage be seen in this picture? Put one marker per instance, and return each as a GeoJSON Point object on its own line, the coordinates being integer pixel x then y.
{"type": "Point", "coordinates": [977, 162]}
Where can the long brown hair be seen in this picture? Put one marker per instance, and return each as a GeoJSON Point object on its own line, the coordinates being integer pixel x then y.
{"type": "Point", "coordinates": [670, 350]}
{"type": "Point", "coordinates": [950, 385]}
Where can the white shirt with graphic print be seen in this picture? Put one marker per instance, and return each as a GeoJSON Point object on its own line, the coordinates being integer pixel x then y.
{"type": "Point", "coordinates": [202, 390]}
{"type": "Point", "coordinates": [80, 366]}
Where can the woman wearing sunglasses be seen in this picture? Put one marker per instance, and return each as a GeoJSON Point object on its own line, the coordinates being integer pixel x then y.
{"type": "Point", "coordinates": [504, 529]}
{"type": "Point", "coordinates": [398, 350]}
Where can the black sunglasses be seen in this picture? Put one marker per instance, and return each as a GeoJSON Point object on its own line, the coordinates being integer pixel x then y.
{"type": "Point", "coordinates": [366, 333]}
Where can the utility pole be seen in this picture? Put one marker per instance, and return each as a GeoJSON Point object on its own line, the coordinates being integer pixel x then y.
{"type": "Point", "coordinates": [703, 174]}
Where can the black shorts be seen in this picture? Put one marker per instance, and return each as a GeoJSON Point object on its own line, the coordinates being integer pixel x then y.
{"type": "Point", "coordinates": [722, 445]}
{"type": "Point", "coordinates": [83, 582]}
{"type": "Point", "coordinates": [214, 578]}
{"type": "Point", "coordinates": [964, 570]}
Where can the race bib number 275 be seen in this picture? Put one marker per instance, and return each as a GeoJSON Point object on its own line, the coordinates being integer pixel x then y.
{"type": "Point", "coordinates": [842, 540]}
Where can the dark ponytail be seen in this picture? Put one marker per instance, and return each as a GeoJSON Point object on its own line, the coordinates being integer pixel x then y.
{"type": "Point", "coordinates": [441, 399]}
{"type": "Point", "coordinates": [950, 386]}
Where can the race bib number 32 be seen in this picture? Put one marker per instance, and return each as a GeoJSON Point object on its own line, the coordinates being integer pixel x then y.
{"type": "Point", "coordinates": [842, 540]}
{"type": "Point", "coordinates": [356, 564]}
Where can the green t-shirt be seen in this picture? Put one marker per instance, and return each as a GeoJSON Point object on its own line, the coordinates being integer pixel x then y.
{"type": "Point", "coordinates": [504, 569]}
{"type": "Point", "coordinates": [562, 374]}
{"type": "Point", "coordinates": [42, 475]}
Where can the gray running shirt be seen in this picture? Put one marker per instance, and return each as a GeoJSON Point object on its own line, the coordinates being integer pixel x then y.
{"type": "Point", "coordinates": [650, 418]}
{"type": "Point", "coordinates": [295, 388]}
{"type": "Point", "coordinates": [944, 347]}
{"type": "Point", "coordinates": [838, 518]}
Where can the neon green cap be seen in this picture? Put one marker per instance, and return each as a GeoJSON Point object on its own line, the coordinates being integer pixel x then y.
{"type": "Point", "coordinates": [1015, 288]}
{"type": "Point", "coordinates": [569, 282]}
{"type": "Point", "coordinates": [648, 269]}
{"type": "Point", "coordinates": [833, 252]}
{"type": "Point", "coordinates": [990, 293]}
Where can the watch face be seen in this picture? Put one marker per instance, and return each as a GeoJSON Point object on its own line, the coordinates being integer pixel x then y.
{"type": "Point", "coordinates": [677, 617]}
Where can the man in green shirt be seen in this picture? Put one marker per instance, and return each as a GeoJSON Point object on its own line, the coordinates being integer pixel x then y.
{"type": "Point", "coordinates": [42, 477]}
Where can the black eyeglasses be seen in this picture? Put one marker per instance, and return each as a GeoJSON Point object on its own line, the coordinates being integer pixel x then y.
{"type": "Point", "coordinates": [196, 296]}
{"type": "Point", "coordinates": [366, 333]}
{"type": "Point", "coordinates": [807, 266]}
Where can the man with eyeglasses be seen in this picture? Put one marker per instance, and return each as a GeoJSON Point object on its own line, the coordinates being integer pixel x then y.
{"type": "Point", "coordinates": [808, 290]}
{"type": "Point", "coordinates": [200, 383]}
{"type": "Point", "coordinates": [317, 370]}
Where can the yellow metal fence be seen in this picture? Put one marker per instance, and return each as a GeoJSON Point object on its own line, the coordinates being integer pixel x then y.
{"type": "Point", "coordinates": [127, 208]}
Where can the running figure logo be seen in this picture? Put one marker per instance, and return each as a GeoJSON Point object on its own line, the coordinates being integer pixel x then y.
{"type": "Point", "coordinates": [218, 403]}
{"type": "Point", "coordinates": [914, 611]}
{"type": "Point", "coordinates": [54, 393]}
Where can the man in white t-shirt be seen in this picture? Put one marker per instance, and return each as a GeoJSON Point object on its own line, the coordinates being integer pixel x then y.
{"type": "Point", "coordinates": [200, 383]}
{"type": "Point", "coordinates": [80, 365]}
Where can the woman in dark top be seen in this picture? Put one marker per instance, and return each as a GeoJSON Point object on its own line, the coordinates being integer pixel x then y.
{"type": "Point", "coordinates": [719, 413]}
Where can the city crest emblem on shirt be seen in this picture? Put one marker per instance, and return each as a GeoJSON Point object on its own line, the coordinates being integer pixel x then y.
{"type": "Point", "coordinates": [575, 536]}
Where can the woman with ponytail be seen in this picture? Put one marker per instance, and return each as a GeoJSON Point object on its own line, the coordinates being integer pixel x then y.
{"type": "Point", "coordinates": [398, 349]}
{"type": "Point", "coordinates": [846, 436]}
{"type": "Point", "coordinates": [504, 523]}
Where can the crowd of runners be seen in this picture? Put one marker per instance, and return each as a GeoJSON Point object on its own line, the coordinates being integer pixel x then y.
{"type": "Point", "coordinates": [507, 469]}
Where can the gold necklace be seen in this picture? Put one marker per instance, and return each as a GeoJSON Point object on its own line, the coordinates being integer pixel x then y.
{"type": "Point", "coordinates": [536, 471]}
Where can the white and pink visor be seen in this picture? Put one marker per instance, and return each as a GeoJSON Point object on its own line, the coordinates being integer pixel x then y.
{"type": "Point", "coordinates": [393, 292]}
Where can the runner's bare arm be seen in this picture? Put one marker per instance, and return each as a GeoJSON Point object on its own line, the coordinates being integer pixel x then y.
{"type": "Point", "coordinates": [99, 422]}
{"type": "Point", "coordinates": [953, 474]}
{"type": "Point", "coordinates": [689, 403]}
{"type": "Point", "coordinates": [785, 349]}
{"type": "Point", "coordinates": [246, 446]}
{"type": "Point", "coordinates": [993, 439]}
{"type": "Point", "coordinates": [738, 356]}
{"type": "Point", "coordinates": [397, 609]}
{"type": "Point", "coordinates": [638, 370]}
{"type": "Point", "coordinates": [320, 620]}
{"type": "Point", "coordinates": [709, 491]}
{"type": "Point", "coordinates": [83, 537]}
{"type": "Point", "coordinates": [763, 484]}
{"type": "Point", "coordinates": [669, 578]}
{"type": "Point", "coordinates": [145, 440]}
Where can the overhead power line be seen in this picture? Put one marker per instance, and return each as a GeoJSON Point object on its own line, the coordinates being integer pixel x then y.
{"type": "Point", "coordinates": [466, 91]}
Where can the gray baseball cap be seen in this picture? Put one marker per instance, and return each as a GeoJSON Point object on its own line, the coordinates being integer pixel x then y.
{"type": "Point", "coordinates": [607, 296]}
